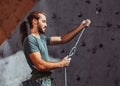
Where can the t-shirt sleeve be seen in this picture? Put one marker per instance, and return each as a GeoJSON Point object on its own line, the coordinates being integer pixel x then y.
{"type": "Point", "coordinates": [47, 38]}
{"type": "Point", "coordinates": [30, 45]}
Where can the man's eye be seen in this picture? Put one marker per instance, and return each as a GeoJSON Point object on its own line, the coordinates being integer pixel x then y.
{"type": "Point", "coordinates": [44, 21]}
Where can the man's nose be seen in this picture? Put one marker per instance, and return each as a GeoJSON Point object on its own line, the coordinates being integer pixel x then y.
{"type": "Point", "coordinates": [45, 25]}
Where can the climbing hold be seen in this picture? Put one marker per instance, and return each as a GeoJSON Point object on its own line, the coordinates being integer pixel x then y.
{"type": "Point", "coordinates": [112, 38]}
{"type": "Point", "coordinates": [88, 1]}
{"type": "Point", "coordinates": [109, 24]}
{"type": "Point", "coordinates": [54, 16]}
{"type": "Point", "coordinates": [78, 78]}
{"type": "Point", "coordinates": [80, 15]}
{"type": "Point", "coordinates": [98, 10]}
{"type": "Point", "coordinates": [101, 45]}
{"type": "Point", "coordinates": [117, 13]}
{"type": "Point", "coordinates": [83, 44]}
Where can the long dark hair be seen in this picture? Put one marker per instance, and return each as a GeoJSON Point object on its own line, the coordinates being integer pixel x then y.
{"type": "Point", "coordinates": [23, 26]}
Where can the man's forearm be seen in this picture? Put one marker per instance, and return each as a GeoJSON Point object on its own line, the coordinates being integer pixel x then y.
{"type": "Point", "coordinates": [70, 35]}
{"type": "Point", "coordinates": [46, 66]}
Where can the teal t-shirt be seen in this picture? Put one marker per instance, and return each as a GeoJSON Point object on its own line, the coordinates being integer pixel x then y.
{"type": "Point", "coordinates": [33, 44]}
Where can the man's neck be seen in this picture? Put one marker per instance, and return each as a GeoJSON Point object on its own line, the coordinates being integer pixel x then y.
{"type": "Point", "coordinates": [34, 32]}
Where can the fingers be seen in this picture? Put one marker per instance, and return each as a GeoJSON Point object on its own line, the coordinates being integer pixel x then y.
{"type": "Point", "coordinates": [66, 57]}
{"type": "Point", "coordinates": [86, 23]}
{"type": "Point", "coordinates": [66, 61]}
{"type": "Point", "coordinates": [69, 59]}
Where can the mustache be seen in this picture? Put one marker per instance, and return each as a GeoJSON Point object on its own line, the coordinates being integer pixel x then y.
{"type": "Point", "coordinates": [45, 27]}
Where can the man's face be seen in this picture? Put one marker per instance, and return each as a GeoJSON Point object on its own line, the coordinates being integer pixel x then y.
{"type": "Point", "coordinates": [42, 23]}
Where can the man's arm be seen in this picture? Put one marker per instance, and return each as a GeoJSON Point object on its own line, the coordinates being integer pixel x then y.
{"type": "Point", "coordinates": [43, 65]}
{"type": "Point", "coordinates": [70, 35]}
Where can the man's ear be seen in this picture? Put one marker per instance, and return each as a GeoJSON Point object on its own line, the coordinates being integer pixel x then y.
{"type": "Point", "coordinates": [34, 21]}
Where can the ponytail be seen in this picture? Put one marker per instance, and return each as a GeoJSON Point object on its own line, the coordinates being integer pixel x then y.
{"type": "Point", "coordinates": [23, 31]}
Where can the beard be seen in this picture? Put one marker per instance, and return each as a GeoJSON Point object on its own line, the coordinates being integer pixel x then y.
{"type": "Point", "coordinates": [40, 30]}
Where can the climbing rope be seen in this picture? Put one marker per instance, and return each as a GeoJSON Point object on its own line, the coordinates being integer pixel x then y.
{"type": "Point", "coordinates": [72, 52]}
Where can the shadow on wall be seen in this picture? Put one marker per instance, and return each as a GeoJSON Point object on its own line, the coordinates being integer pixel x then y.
{"type": "Point", "coordinates": [11, 45]}
{"type": "Point", "coordinates": [14, 69]}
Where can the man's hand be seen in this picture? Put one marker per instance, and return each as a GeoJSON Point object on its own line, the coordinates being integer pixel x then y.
{"type": "Point", "coordinates": [65, 61]}
{"type": "Point", "coordinates": [86, 23]}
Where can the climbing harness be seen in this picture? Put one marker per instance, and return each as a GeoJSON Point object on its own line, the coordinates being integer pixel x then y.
{"type": "Point", "coordinates": [72, 52]}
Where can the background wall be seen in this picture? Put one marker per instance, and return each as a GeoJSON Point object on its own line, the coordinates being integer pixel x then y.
{"type": "Point", "coordinates": [97, 60]}
{"type": "Point", "coordinates": [12, 12]}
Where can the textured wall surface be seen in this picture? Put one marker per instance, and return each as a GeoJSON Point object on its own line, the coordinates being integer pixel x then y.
{"type": "Point", "coordinates": [97, 60]}
{"type": "Point", "coordinates": [11, 13]}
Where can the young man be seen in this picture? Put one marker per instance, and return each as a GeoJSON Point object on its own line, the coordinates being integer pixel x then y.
{"type": "Point", "coordinates": [35, 47]}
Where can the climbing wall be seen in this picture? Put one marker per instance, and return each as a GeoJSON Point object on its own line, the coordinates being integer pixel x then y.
{"type": "Point", "coordinates": [97, 60]}
{"type": "Point", "coordinates": [11, 13]}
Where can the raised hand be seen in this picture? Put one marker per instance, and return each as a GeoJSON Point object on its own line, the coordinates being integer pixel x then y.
{"type": "Point", "coordinates": [86, 23]}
